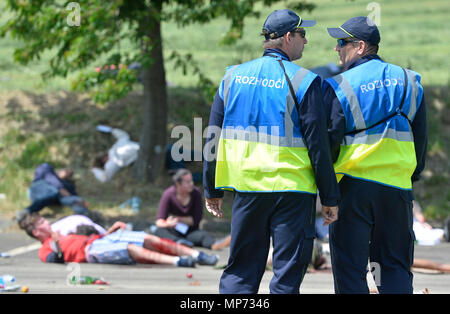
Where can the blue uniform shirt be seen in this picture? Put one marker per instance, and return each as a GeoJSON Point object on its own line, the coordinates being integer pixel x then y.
{"type": "Point", "coordinates": [313, 127]}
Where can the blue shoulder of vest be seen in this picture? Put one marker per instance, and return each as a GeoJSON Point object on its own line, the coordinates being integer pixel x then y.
{"type": "Point", "coordinates": [227, 70]}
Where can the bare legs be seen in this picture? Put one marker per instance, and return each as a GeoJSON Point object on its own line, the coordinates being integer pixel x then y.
{"type": "Point", "coordinates": [158, 251]}
{"type": "Point", "coordinates": [423, 263]}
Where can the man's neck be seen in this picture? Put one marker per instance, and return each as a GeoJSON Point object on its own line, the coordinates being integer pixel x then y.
{"type": "Point", "coordinates": [278, 51]}
{"type": "Point", "coordinates": [42, 239]}
{"type": "Point", "coordinates": [360, 60]}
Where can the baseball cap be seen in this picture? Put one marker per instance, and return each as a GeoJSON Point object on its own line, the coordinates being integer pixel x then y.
{"type": "Point", "coordinates": [360, 27]}
{"type": "Point", "coordinates": [279, 22]}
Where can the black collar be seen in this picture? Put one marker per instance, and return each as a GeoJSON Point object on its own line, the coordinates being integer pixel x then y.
{"type": "Point", "coordinates": [363, 60]}
{"type": "Point", "coordinates": [276, 51]}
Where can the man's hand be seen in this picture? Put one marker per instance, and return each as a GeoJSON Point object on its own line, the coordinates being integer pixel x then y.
{"type": "Point", "coordinates": [56, 237]}
{"type": "Point", "coordinates": [214, 206]}
{"type": "Point", "coordinates": [330, 214]}
{"type": "Point", "coordinates": [116, 226]}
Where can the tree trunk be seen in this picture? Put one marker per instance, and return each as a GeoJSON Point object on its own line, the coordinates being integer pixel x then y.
{"type": "Point", "coordinates": [154, 112]}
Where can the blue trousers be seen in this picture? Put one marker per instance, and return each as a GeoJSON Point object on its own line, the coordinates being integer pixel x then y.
{"type": "Point", "coordinates": [289, 219]}
{"type": "Point", "coordinates": [374, 223]}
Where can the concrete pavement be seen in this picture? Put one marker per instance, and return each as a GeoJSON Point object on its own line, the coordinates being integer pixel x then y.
{"type": "Point", "coordinates": [158, 279]}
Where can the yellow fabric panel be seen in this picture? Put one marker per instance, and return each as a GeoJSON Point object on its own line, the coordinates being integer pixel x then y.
{"type": "Point", "coordinates": [252, 166]}
{"type": "Point", "coordinates": [388, 161]}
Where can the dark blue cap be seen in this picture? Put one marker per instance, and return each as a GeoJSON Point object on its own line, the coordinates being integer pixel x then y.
{"type": "Point", "coordinates": [279, 22]}
{"type": "Point", "coordinates": [360, 27]}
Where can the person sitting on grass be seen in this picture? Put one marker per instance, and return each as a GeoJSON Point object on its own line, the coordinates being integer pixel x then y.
{"type": "Point", "coordinates": [117, 246]}
{"type": "Point", "coordinates": [180, 213]}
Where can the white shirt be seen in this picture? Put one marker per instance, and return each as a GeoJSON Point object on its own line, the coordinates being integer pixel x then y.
{"type": "Point", "coordinates": [123, 153]}
{"type": "Point", "coordinates": [69, 224]}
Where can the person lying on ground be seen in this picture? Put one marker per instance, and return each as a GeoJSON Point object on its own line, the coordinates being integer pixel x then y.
{"type": "Point", "coordinates": [427, 264]}
{"type": "Point", "coordinates": [77, 224]}
{"type": "Point", "coordinates": [117, 246]}
{"type": "Point", "coordinates": [425, 234]}
{"type": "Point", "coordinates": [122, 154]}
{"type": "Point", "coordinates": [50, 187]}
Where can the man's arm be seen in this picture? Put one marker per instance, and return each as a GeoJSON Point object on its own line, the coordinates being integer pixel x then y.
{"type": "Point", "coordinates": [314, 129]}
{"type": "Point", "coordinates": [51, 251]}
{"type": "Point", "coordinates": [420, 133]}
{"type": "Point", "coordinates": [120, 134]}
{"type": "Point", "coordinates": [209, 164]}
{"type": "Point", "coordinates": [99, 174]}
{"type": "Point", "coordinates": [335, 120]}
{"type": "Point", "coordinates": [55, 258]}
{"type": "Point", "coordinates": [116, 226]}
{"type": "Point", "coordinates": [106, 173]}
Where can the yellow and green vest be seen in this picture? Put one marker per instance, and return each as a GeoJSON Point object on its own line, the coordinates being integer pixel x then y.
{"type": "Point", "coordinates": [261, 148]}
{"type": "Point", "coordinates": [385, 152]}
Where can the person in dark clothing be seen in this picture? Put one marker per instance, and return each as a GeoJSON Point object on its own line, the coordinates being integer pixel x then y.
{"type": "Point", "coordinates": [378, 137]}
{"type": "Point", "coordinates": [50, 187]}
{"type": "Point", "coordinates": [267, 141]}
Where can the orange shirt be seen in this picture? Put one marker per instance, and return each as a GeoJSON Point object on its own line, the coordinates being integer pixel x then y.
{"type": "Point", "coordinates": [72, 246]}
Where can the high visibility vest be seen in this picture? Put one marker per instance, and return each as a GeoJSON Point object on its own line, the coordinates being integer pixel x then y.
{"type": "Point", "coordinates": [261, 147]}
{"type": "Point", "coordinates": [369, 93]}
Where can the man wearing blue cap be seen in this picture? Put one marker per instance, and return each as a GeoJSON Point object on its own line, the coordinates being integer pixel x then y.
{"type": "Point", "coordinates": [272, 150]}
{"type": "Point", "coordinates": [378, 135]}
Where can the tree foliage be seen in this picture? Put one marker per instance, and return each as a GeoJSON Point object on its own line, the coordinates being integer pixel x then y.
{"type": "Point", "coordinates": [49, 25]}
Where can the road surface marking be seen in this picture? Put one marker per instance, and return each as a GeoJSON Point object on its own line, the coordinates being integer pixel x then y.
{"type": "Point", "coordinates": [24, 249]}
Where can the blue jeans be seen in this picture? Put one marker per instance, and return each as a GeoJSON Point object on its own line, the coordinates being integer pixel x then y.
{"type": "Point", "coordinates": [74, 201]}
{"type": "Point", "coordinates": [41, 189]}
{"type": "Point", "coordinates": [43, 194]}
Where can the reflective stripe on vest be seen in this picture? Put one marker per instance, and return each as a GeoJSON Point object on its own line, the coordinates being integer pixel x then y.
{"type": "Point", "coordinates": [383, 153]}
{"type": "Point", "coordinates": [260, 158]}
{"type": "Point", "coordinates": [414, 93]}
{"type": "Point", "coordinates": [290, 104]}
{"type": "Point", "coordinates": [226, 87]}
{"type": "Point", "coordinates": [355, 108]}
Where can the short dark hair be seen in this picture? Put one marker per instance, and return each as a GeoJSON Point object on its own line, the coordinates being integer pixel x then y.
{"type": "Point", "coordinates": [99, 160]}
{"type": "Point", "coordinates": [28, 223]}
{"type": "Point", "coordinates": [373, 49]}
{"type": "Point", "coordinates": [179, 174]}
{"type": "Point", "coordinates": [86, 230]}
{"type": "Point", "coordinates": [370, 48]}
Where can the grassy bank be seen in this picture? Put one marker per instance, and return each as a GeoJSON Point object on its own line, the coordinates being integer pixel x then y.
{"type": "Point", "coordinates": [60, 128]}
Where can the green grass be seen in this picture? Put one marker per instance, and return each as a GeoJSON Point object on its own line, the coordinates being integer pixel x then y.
{"type": "Point", "coordinates": [413, 33]}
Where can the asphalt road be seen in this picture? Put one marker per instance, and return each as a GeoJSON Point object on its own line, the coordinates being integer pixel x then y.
{"type": "Point", "coordinates": [157, 279]}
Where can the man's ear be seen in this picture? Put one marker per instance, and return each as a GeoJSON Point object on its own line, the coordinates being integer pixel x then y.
{"type": "Point", "coordinates": [35, 232]}
{"type": "Point", "coordinates": [287, 37]}
{"type": "Point", "coordinates": [362, 46]}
